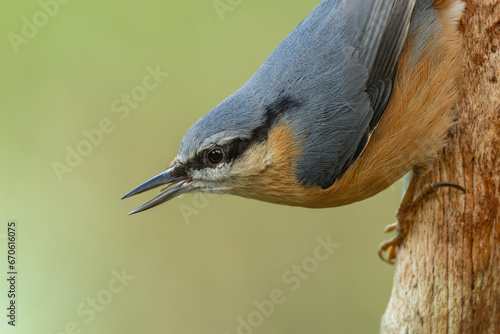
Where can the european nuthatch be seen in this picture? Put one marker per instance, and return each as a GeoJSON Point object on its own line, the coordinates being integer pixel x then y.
{"type": "Point", "coordinates": [355, 97]}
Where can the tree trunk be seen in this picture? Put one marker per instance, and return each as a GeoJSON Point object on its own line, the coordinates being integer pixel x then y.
{"type": "Point", "coordinates": [447, 277]}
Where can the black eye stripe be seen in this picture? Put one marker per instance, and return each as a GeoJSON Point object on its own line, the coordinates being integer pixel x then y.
{"type": "Point", "coordinates": [229, 151]}
{"type": "Point", "coordinates": [236, 148]}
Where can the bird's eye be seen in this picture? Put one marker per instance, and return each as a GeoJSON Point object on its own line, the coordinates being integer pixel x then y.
{"type": "Point", "coordinates": [215, 156]}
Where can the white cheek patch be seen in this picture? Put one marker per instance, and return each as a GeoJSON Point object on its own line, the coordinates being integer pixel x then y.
{"type": "Point", "coordinates": [211, 174]}
{"type": "Point", "coordinates": [212, 180]}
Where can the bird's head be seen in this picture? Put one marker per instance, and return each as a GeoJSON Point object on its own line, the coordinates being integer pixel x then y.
{"type": "Point", "coordinates": [234, 149]}
{"type": "Point", "coordinates": [291, 131]}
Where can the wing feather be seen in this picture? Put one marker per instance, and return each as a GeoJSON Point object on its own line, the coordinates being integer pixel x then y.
{"type": "Point", "coordinates": [374, 39]}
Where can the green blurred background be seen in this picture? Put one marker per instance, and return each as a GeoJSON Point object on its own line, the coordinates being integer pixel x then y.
{"type": "Point", "coordinates": [190, 275]}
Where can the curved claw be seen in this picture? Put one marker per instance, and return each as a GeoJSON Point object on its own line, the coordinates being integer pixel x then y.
{"type": "Point", "coordinates": [402, 227]}
{"type": "Point", "coordinates": [393, 251]}
{"type": "Point", "coordinates": [391, 227]}
{"type": "Point", "coordinates": [408, 206]}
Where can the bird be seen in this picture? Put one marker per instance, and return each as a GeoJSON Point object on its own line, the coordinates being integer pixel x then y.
{"type": "Point", "coordinates": [358, 95]}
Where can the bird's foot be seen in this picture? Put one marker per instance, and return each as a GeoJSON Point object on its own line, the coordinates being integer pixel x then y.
{"type": "Point", "coordinates": [402, 227]}
{"type": "Point", "coordinates": [405, 219]}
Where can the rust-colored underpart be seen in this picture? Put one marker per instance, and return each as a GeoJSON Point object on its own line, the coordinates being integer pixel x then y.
{"type": "Point", "coordinates": [447, 277]}
{"type": "Point", "coordinates": [410, 134]}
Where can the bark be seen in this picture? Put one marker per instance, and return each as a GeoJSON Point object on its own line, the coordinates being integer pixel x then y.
{"type": "Point", "coordinates": [447, 277]}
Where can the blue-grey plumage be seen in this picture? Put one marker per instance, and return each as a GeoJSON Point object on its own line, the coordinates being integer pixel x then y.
{"type": "Point", "coordinates": [330, 79]}
{"type": "Point", "coordinates": [350, 101]}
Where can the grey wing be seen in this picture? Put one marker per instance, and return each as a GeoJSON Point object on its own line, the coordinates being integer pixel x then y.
{"type": "Point", "coordinates": [343, 128]}
{"type": "Point", "coordinates": [383, 70]}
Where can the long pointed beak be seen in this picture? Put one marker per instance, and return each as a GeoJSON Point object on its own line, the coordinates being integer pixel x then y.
{"type": "Point", "coordinates": [175, 187]}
